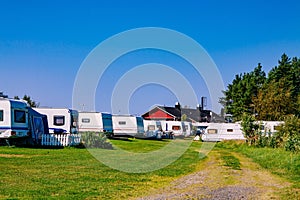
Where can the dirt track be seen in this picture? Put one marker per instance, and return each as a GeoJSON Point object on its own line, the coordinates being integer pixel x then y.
{"type": "Point", "coordinates": [213, 180]}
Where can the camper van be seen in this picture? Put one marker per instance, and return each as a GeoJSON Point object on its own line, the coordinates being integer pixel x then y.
{"type": "Point", "coordinates": [17, 120]}
{"type": "Point", "coordinates": [60, 120]}
{"type": "Point", "coordinates": [175, 128]}
{"type": "Point", "coordinates": [223, 131]}
{"type": "Point", "coordinates": [95, 122]}
{"type": "Point", "coordinates": [153, 129]}
{"type": "Point", "coordinates": [127, 125]}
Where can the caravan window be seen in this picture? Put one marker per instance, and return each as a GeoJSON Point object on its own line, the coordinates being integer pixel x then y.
{"type": "Point", "coordinates": [85, 120]}
{"type": "Point", "coordinates": [176, 128]}
{"type": "Point", "coordinates": [122, 122]}
{"type": "Point", "coordinates": [212, 131]}
{"type": "Point", "coordinates": [151, 127]}
{"type": "Point", "coordinates": [58, 120]}
{"type": "Point", "coordinates": [230, 130]}
{"type": "Point", "coordinates": [19, 116]}
{"type": "Point", "coordinates": [1, 115]}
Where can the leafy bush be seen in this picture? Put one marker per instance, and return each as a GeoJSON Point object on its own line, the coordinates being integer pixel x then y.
{"type": "Point", "coordinates": [95, 140]}
{"type": "Point", "coordinates": [250, 129]}
{"type": "Point", "coordinates": [289, 134]}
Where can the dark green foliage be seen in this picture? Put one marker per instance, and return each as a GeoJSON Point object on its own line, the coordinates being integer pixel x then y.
{"type": "Point", "coordinates": [238, 96]}
{"type": "Point", "coordinates": [95, 140]}
{"type": "Point", "coordinates": [267, 98]}
{"type": "Point", "coordinates": [289, 134]}
{"type": "Point", "coordinates": [249, 128]}
{"type": "Point", "coordinates": [31, 103]}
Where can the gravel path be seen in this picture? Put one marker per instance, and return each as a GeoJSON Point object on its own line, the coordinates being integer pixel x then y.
{"type": "Point", "coordinates": [215, 181]}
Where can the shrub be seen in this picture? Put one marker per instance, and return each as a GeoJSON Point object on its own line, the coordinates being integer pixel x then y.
{"type": "Point", "coordinates": [288, 135]}
{"type": "Point", "coordinates": [95, 140]}
{"type": "Point", "coordinates": [250, 129]}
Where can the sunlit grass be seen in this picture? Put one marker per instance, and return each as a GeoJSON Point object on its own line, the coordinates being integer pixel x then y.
{"type": "Point", "coordinates": [74, 173]}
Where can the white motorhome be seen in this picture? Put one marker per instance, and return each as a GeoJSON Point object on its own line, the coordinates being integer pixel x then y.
{"type": "Point", "coordinates": [223, 131]}
{"type": "Point", "coordinates": [175, 128]}
{"type": "Point", "coordinates": [17, 119]}
{"type": "Point", "coordinates": [61, 120]}
{"type": "Point", "coordinates": [95, 122]}
{"type": "Point", "coordinates": [153, 129]}
{"type": "Point", "coordinates": [127, 125]}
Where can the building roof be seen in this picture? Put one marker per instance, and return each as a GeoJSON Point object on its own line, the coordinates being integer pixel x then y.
{"type": "Point", "coordinates": [175, 113]}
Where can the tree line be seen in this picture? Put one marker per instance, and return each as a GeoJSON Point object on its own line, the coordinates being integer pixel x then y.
{"type": "Point", "coordinates": [268, 97]}
{"type": "Point", "coordinates": [257, 96]}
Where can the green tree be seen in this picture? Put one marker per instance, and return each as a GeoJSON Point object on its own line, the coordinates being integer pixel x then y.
{"type": "Point", "coordinates": [279, 96]}
{"type": "Point", "coordinates": [239, 94]}
{"type": "Point", "coordinates": [28, 99]}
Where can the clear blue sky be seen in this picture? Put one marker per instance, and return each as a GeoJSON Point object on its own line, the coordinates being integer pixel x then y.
{"type": "Point", "coordinates": [43, 43]}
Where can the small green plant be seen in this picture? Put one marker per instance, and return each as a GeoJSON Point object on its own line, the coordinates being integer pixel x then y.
{"type": "Point", "coordinates": [95, 140]}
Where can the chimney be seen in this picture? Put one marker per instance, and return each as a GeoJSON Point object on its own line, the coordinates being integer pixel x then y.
{"type": "Point", "coordinates": [177, 105]}
{"type": "Point", "coordinates": [203, 102]}
{"type": "Point", "coordinates": [199, 107]}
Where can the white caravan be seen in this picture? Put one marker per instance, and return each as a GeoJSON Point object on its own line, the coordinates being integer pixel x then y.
{"type": "Point", "coordinates": [175, 128]}
{"type": "Point", "coordinates": [61, 120]}
{"type": "Point", "coordinates": [127, 125]}
{"type": "Point", "coordinates": [95, 122]}
{"type": "Point", "coordinates": [17, 119]}
{"type": "Point", "coordinates": [200, 126]}
{"type": "Point", "coordinates": [13, 118]}
{"type": "Point", "coordinates": [153, 129]}
{"type": "Point", "coordinates": [223, 131]}
{"type": "Point", "coordinates": [188, 128]}
{"type": "Point", "coordinates": [269, 127]}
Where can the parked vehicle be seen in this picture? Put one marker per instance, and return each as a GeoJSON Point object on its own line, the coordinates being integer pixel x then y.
{"type": "Point", "coordinates": [127, 125]}
{"type": "Point", "coordinates": [269, 127]}
{"type": "Point", "coordinates": [95, 122]}
{"type": "Point", "coordinates": [188, 129]}
{"type": "Point", "coordinates": [153, 129]}
{"type": "Point", "coordinates": [18, 120]}
{"type": "Point", "coordinates": [174, 128]}
{"type": "Point", "coordinates": [61, 120]}
{"type": "Point", "coordinates": [223, 131]}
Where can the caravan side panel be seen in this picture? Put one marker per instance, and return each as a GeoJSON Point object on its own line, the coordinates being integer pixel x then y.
{"type": "Point", "coordinates": [223, 131]}
{"type": "Point", "coordinates": [124, 125]}
{"type": "Point", "coordinates": [90, 121]}
{"type": "Point", "coordinates": [61, 119]}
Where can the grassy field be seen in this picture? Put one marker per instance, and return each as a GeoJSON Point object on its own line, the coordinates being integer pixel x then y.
{"type": "Point", "coordinates": [74, 173]}
{"type": "Point", "coordinates": [278, 161]}
{"type": "Point", "coordinates": [28, 173]}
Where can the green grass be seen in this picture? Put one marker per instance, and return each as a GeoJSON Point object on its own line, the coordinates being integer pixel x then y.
{"type": "Point", "coordinates": [278, 161]}
{"type": "Point", "coordinates": [230, 161]}
{"type": "Point", "coordinates": [71, 173]}
{"type": "Point", "coordinates": [74, 173]}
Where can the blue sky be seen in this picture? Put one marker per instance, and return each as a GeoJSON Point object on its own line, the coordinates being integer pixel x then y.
{"type": "Point", "coordinates": [43, 43]}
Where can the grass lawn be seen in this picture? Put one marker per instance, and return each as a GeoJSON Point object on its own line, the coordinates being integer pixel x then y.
{"type": "Point", "coordinates": [278, 161]}
{"type": "Point", "coordinates": [73, 173]}
{"type": "Point", "coordinates": [28, 173]}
